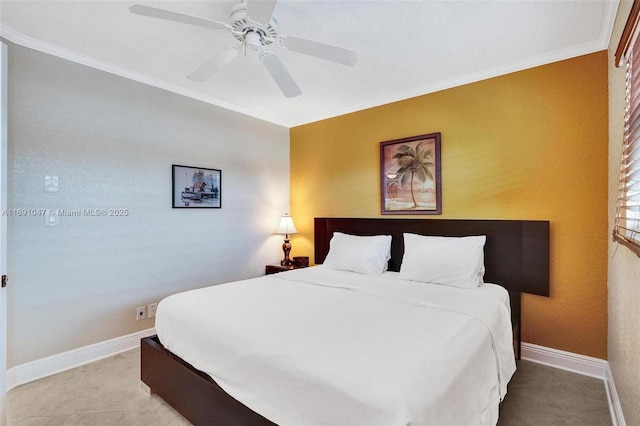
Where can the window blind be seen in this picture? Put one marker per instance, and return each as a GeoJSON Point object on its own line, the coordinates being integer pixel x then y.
{"type": "Point", "coordinates": [627, 221]}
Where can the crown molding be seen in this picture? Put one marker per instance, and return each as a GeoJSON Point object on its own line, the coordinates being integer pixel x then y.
{"type": "Point", "coordinates": [602, 43]}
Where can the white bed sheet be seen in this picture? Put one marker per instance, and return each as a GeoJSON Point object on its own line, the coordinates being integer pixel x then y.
{"type": "Point", "coordinates": [316, 346]}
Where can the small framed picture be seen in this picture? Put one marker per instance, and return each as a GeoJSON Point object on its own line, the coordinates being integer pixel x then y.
{"type": "Point", "coordinates": [196, 187]}
{"type": "Point", "coordinates": [410, 175]}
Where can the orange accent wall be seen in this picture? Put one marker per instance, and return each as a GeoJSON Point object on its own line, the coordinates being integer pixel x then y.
{"type": "Point", "coordinates": [527, 145]}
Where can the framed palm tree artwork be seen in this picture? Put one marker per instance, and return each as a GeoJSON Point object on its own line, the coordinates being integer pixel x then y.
{"type": "Point", "coordinates": [410, 175]}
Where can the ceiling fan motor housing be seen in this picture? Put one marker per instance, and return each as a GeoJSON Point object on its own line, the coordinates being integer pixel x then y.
{"type": "Point", "coordinates": [253, 33]}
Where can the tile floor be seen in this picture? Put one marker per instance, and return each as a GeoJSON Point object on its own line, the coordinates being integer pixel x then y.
{"type": "Point", "coordinates": [108, 392]}
{"type": "Point", "coordinates": [544, 396]}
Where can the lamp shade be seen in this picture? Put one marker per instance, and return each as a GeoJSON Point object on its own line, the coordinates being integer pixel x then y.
{"type": "Point", "coordinates": [286, 226]}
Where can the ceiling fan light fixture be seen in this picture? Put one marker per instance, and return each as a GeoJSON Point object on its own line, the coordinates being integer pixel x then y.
{"type": "Point", "coordinates": [253, 41]}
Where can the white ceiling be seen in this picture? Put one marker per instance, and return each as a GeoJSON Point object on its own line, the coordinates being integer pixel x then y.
{"type": "Point", "coordinates": [405, 48]}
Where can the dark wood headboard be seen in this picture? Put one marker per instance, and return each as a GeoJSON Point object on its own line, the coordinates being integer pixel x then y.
{"type": "Point", "coordinates": [516, 253]}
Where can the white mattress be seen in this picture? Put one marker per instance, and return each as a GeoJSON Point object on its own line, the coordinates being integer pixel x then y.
{"type": "Point", "coordinates": [317, 346]}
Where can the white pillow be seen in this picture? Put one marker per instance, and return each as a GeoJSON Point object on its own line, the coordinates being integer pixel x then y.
{"type": "Point", "coordinates": [453, 261]}
{"type": "Point", "coordinates": [365, 255]}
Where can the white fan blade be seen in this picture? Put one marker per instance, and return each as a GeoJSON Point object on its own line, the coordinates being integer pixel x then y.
{"type": "Point", "coordinates": [214, 64]}
{"type": "Point", "coordinates": [140, 9]}
{"type": "Point", "coordinates": [261, 10]}
{"type": "Point", "coordinates": [321, 50]}
{"type": "Point", "coordinates": [280, 74]}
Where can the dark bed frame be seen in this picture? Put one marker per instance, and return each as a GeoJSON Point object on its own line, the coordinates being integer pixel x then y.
{"type": "Point", "coordinates": [516, 257]}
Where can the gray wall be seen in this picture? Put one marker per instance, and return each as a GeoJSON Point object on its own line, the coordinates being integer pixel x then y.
{"type": "Point", "coordinates": [112, 142]}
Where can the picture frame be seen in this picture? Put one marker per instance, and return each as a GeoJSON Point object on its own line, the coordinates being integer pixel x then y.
{"type": "Point", "coordinates": [410, 175]}
{"type": "Point", "coordinates": [196, 187]}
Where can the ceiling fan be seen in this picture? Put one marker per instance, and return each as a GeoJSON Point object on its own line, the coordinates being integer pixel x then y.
{"type": "Point", "coordinates": [253, 25]}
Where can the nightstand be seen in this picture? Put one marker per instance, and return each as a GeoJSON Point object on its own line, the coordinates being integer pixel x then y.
{"type": "Point", "coordinates": [274, 269]}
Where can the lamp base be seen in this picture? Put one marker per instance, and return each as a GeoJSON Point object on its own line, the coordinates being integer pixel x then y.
{"type": "Point", "coordinates": [286, 248]}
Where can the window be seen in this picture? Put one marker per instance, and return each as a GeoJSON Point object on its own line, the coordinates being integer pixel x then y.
{"type": "Point", "coordinates": [627, 222]}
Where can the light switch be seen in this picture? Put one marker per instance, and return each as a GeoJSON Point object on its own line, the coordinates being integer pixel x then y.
{"type": "Point", "coordinates": [51, 218]}
{"type": "Point", "coordinates": [51, 184]}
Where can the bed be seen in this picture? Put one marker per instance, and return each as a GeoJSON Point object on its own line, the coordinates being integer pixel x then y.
{"type": "Point", "coordinates": [342, 375]}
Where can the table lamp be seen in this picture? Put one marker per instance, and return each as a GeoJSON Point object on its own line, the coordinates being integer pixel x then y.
{"type": "Point", "coordinates": [286, 228]}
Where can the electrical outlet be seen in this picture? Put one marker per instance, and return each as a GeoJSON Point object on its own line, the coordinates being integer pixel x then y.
{"type": "Point", "coordinates": [151, 309]}
{"type": "Point", "coordinates": [51, 218]}
{"type": "Point", "coordinates": [139, 313]}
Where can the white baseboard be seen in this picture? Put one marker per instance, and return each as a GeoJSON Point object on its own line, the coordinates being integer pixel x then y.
{"type": "Point", "coordinates": [580, 364]}
{"type": "Point", "coordinates": [34, 370]}
{"type": "Point", "coordinates": [614, 401]}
